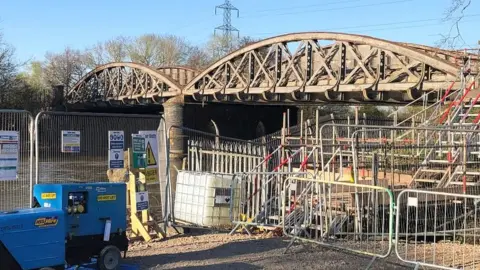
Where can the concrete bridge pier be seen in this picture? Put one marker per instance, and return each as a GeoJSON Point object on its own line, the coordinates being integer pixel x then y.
{"type": "Point", "coordinates": [173, 110]}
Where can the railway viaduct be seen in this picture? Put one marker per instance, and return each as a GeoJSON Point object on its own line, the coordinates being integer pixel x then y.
{"type": "Point", "coordinates": [236, 93]}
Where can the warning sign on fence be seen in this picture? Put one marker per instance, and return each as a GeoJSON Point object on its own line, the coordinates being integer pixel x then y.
{"type": "Point", "coordinates": [8, 155]}
{"type": "Point", "coordinates": [70, 141]}
{"type": "Point", "coordinates": [151, 160]}
{"type": "Point", "coordinates": [151, 147]}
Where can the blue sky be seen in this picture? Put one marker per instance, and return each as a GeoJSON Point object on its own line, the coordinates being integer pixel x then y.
{"type": "Point", "coordinates": [37, 26]}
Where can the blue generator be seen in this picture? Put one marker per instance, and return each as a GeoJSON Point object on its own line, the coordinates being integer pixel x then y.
{"type": "Point", "coordinates": [69, 225]}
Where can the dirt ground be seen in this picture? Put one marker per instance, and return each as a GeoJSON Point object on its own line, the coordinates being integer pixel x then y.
{"type": "Point", "coordinates": [222, 251]}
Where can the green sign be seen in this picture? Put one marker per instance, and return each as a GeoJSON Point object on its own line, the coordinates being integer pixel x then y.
{"type": "Point", "coordinates": [138, 151]}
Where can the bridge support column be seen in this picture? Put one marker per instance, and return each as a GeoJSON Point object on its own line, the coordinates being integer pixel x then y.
{"type": "Point", "coordinates": [173, 115]}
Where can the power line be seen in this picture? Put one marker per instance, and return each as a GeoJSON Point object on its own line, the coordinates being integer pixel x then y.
{"type": "Point", "coordinates": [305, 6]}
{"type": "Point", "coordinates": [395, 23]}
{"type": "Point", "coordinates": [381, 24]}
{"type": "Point", "coordinates": [329, 9]}
{"type": "Point", "coordinates": [268, 10]}
{"type": "Point", "coordinates": [227, 27]}
{"type": "Point", "coordinates": [301, 12]}
{"type": "Point", "coordinates": [274, 9]}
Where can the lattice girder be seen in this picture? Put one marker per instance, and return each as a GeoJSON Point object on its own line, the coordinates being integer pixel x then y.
{"type": "Point", "coordinates": [298, 67]}
{"type": "Point", "coordinates": [122, 82]}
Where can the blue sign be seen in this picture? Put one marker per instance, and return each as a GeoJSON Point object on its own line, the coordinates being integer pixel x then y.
{"type": "Point", "coordinates": [142, 201]}
{"type": "Point", "coordinates": [116, 144]}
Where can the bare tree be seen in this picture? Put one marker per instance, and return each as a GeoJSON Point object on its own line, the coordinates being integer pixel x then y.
{"type": "Point", "coordinates": [95, 56]}
{"type": "Point", "coordinates": [8, 68]}
{"type": "Point", "coordinates": [64, 68]}
{"type": "Point", "coordinates": [172, 50]}
{"type": "Point", "coordinates": [142, 50]}
{"type": "Point", "coordinates": [22, 95]}
{"type": "Point", "coordinates": [218, 46]}
{"type": "Point", "coordinates": [155, 50]}
{"type": "Point", "coordinates": [246, 41]}
{"type": "Point", "coordinates": [113, 50]}
{"type": "Point", "coordinates": [454, 14]}
{"type": "Point", "coordinates": [198, 58]}
{"type": "Point", "coordinates": [117, 49]}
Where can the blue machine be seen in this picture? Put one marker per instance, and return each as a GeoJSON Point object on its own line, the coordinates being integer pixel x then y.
{"type": "Point", "coordinates": [69, 224]}
{"type": "Point", "coordinates": [32, 238]}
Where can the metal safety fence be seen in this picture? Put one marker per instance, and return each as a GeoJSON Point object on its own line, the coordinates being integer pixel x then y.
{"type": "Point", "coordinates": [353, 217]}
{"type": "Point", "coordinates": [417, 157]}
{"type": "Point", "coordinates": [256, 199]}
{"type": "Point", "coordinates": [86, 161]}
{"type": "Point", "coordinates": [16, 159]}
{"type": "Point", "coordinates": [74, 148]}
{"type": "Point", "coordinates": [197, 151]}
{"type": "Point", "coordinates": [211, 153]}
{"type": "Point", "coordinates": [438, 229]}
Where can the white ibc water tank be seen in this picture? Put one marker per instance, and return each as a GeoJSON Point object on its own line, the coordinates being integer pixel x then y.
{"type": "Point", "coordinates": [203, 198]}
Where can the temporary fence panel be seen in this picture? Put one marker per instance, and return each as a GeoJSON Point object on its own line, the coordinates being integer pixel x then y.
{"type": "Point", "coordinates": [198, 151]}
{"type": "Point", "coordinates": [335, 145]}
{"type": "Point", "coordinates": [203, 199]}
{"type": "Point", "coordinates": [16, 159]}
{"type": "Point", "coordinates": [256, 198]}
{"type": "Point", "coordinates": [438, 229]}
{"type": "Point", "coordinates": [417, 157]}
{"type": "Point", "coordinates": [208, 152]}
{"type": "Point", "coordinates": [73, 147]}
{"type": "Point", "coordinates": [353, 217]}
{"type": "Point", "coordinates": [163, 166]}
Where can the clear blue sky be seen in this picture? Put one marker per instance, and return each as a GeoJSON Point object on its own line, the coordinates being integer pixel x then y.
{"type": "Point", "coordinates": [37, 26]}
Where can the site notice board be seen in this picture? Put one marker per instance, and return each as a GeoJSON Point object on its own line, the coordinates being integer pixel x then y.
{"type": "Point", "coordinates": [9, 155]}
{"type": "Point", "coordinates": [138, 151]}
{"type": "Point", "coordinates": [70, 141]}
{"type": "Point", "coordinates": [116, 144]}
{"type": "Point", "coordinates": [151, 155]}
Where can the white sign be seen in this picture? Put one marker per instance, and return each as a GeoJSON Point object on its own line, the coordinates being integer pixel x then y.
{"type": "Point", "coordinates": [412, 201]}
{"type": "Point", "coordinates": [8, 155]}
{"type": "Point", "coordinates": [151, 147]}
{"type": "Point", "coordinates": [70, 141]}
{"type": "Point", "coordinates": [116, 144]}
{"type": "Point", "coordinates": [142, 200]}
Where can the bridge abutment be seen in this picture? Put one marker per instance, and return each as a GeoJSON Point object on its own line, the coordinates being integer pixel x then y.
{"type": "Point", "coordinates": [173, 111]}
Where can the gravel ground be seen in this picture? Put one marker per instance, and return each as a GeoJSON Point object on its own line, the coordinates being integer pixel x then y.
{"type": "Point", "coordinates": [222, 251]}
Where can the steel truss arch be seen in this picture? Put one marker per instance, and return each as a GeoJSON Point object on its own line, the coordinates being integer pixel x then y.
{"type": "Point", "coordinates": [353, 68]}
{"type": "Point", "coordinates": [123, 81]}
